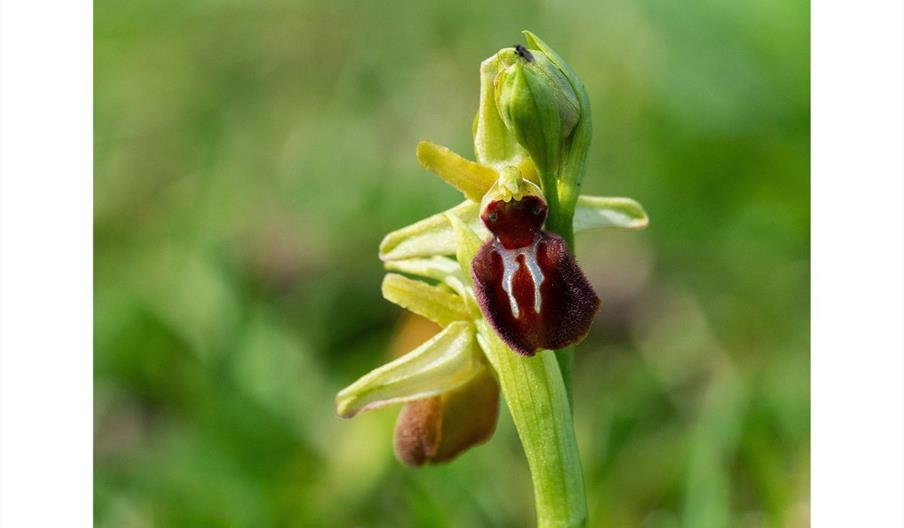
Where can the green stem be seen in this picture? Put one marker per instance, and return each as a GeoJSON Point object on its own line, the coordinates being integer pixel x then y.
{"type": "Point", "coordinates": [538, 389]}
{"type": "Point", "coordinates": [538, 401]}
{"type": "Point", "coordinates": [565, 357]}
{"type": "Point", "coordinates": [561, 201]}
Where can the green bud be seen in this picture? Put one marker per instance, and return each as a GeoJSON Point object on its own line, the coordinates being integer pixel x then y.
{"type": "Point", "coordinates": [537, 104]}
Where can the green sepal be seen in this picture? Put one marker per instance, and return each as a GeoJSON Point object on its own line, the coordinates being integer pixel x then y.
{"type": "Point", "coordinates": [436, 303]}
{"type": "Point", "coordinates": [493, 143]}
{"type": "Point", "coordinates": [431, 236]}
{"type": "Point", "coordinates": [468, 244]}
{"type": "Point", "coordinates": [599, 211]}
{"type": "Point", "coordinates": [446, 361]}
{"type": "Point", "coordinates": [472, 179]}
{"type": "Point", "coordinates": [439, 268]}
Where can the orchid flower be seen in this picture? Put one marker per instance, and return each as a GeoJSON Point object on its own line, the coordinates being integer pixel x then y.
{"type": "Point", "coordinates": [497, 272]}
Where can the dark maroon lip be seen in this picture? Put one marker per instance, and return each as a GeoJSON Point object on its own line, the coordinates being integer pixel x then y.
{"type": "Point", "coordinates": [547, 303]}
{"type": "Point", "coordinates": [515, 222]}
{"type": "Point", "coordinates": [527, 282]}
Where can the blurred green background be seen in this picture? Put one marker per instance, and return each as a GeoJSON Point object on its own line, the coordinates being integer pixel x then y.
{"type": "Point", "coordinates": [249, 158]}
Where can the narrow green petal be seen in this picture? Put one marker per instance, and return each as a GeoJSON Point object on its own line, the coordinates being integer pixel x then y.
{"type": "Point", "coordinates": [468, 244]}
{"type": "Point", "coordinates": [598, 211]}
{"type": "Point", "coordinates": [472, 179]}
{"type": "Point", "coordinates": [436, 303]}
{"type": "Point", "coordinates": [445, 362]}
{"type": "Point", "coordinates": [431, 236]}
{"type": "Point", "coordinates": [436, 268]}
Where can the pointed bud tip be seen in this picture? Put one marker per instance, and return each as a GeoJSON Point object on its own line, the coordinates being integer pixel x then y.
{"type": "Point", "coordinates": [536, 102]}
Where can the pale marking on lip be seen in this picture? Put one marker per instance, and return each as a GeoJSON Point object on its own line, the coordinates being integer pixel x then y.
{"type": "Point", "coordinates": [510, 265]}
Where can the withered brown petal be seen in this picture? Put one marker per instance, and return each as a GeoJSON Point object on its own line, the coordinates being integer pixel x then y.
{"type": "Point", "coordinates": [438, 429]}
{"type": "Point", "coordinates": [567, 304]}
{"type": "Point", "coordinates": [418, 430]}
{"type": "Point", "coordinates": [470, 413]}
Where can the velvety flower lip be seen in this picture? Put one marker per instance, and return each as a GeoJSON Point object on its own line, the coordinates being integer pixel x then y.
{"type": "Point", "coordinates": [526, 280]}
{"type": "Point", "coordinates": [528, 316]}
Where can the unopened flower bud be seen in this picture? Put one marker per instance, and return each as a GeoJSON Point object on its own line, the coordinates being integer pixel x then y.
{"type": "Point", "coordinates": [537, 103]}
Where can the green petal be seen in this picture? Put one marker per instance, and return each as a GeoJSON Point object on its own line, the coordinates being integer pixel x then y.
{"type": "Point", "coordinates": [598, 211]}
{"type": "Point", "coordinates": [431, 236]}
{"type": "Point", "coordinates": [438, 268]}
{"type": "Point", "coordinates": [472, 179]}
{"type": "Point", "coordinates": [436, 303]}
{"type": "Point", "coordinates": [468, 244]}
{"type": "Point", "coordinates": [445, 362]}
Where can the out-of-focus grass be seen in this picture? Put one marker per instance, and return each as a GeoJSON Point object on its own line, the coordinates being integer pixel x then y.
{"type": "Point", "coordinates": [249, 157]}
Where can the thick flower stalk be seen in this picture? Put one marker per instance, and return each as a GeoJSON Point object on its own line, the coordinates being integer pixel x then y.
{"type": "Point", "coordinates": [498, 273]}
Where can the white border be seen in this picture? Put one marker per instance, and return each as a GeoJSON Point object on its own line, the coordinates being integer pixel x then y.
{"type": "Point", "coordinates": [46, 275]}
{"type": "Point", "coordinates": [858, 232]}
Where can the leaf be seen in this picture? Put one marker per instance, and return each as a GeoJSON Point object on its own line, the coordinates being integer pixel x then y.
{"type": "Point", "coordinates": [431, 236]}
{"type": "Point", "coordinates": [597, 211]}
{"type": "Point", "coordinates": [433, 302]}
{"type": "Point", "coordinates": [443, 363]}
{"type": "Point", "coordinates": [472, 179]}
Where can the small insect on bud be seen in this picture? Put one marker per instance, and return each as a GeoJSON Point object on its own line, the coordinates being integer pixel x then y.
{"type": "Point", "coordinates": [536, 102]}
{"type": "Point", "coordinates": [526, 281]}
{"type": "Point", "coordinates": [523, 52]}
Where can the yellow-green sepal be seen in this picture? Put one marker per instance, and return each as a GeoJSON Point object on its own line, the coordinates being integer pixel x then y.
{"type": "Point", "coordinates": [471, 178]}
{"type": "Point", "coordinates": [436, 303]}
{"type": "Point", "coordinates": [431, 236]}
{"type": "Point", "coordinates": [446, 361]}
{"type": "Point", "coordinates": [594, 212]}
